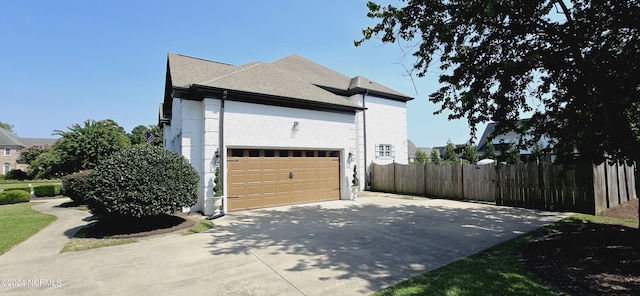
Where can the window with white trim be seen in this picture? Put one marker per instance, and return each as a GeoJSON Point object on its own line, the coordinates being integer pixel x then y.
{"type": "Point", "coordinates": [385, 151]}
{"type": "Point", "coordinates": [7, 151]}
{"type": "Point", "coordinates": [6, 168]}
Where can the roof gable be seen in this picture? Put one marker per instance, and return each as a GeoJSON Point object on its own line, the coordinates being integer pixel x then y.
{"type": "Point", "coordinates": [8, 138]}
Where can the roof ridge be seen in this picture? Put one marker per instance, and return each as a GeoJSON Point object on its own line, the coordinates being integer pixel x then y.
{"type": "Point", "coordinates": [197, 58]}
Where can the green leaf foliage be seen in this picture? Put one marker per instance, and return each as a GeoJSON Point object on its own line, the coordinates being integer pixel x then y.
{"type": "Point", "coordinates": [16, 175]}
{"type": "Point", "coordinates": [76, 186]}
{"type": "Point", "coordinates": [450, 155]}
{"type": "Point", "coordinates": [142, 181]}
{"type": "Point", "coordinates": [469, 154]}
{"type": "Point", "coordinates": [573, 64]}
{"type": "Point", "coordinates": [420, 157]}
{"type": "Point", "coordinates": [46, 190]}
{"type": "Point", "coordinates": [30, 154]}
{"type": "Point", "coordinates": [83, 147]}
{"type": "Point", "coordinates": [14, 196]}
{"type": "Point", "coordinates": [435, 157]}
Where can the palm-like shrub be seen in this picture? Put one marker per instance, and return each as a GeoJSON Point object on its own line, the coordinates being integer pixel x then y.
{"type": "Point", "coordinates": [142, 181]}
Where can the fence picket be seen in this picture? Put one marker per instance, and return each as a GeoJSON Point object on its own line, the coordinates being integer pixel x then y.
{"type": "Point", "coordinates": [585, 188]}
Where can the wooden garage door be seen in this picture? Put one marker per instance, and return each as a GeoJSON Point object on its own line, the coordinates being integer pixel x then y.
{"type": "Point", "coordinates": [267, 178]}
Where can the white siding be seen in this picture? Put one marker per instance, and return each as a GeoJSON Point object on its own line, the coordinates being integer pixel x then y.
{"type": "Point", "coordinates": [261, 126]}
{"type": "Point", "coordinates": [386, 124]}
{"type": "Point", "coordinates": [190, 132]}
{"type": "Point", "coordinates": [211, 131]}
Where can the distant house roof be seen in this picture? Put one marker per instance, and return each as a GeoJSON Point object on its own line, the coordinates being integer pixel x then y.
{"type": "Point", "coordinates": [488, 131]}
{"type": "Point", "coordinates": [8, 138]}
{"type": "Point", "coordinates": [38, 141]}
{"type": "Point", "coordinates": [412, 149]}
{"type": "Point", "coordinates": [291, 79]}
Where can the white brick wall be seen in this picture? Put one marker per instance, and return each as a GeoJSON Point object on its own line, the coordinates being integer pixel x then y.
{"type": "Point", "coordinates": [386, 124]}
{"type": "Point", "coordinates": [194, 132]}
{"type": "Point", "coordinates": [261, 126]}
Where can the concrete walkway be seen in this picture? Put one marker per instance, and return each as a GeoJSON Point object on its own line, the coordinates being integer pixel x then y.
{"type": "Point", "coordinates": [331, 248]}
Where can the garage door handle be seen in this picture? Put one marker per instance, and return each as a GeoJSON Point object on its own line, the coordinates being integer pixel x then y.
{"type": "Point", "coordinates": [236, 196]}
{"type": "Point", "coordinates": [290, 175]}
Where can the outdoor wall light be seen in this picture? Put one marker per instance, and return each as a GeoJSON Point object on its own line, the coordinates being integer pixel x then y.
{"type": "Point", "coordinates": [296, 126]}
{"type": "Point", "coordinates": [350, 156]}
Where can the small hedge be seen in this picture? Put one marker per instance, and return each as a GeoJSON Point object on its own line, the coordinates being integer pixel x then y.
{"type": "Point", "coordinates": [13, 196]}
{"type": "Point", "coordinates": [16, 175]}
{"type": "Point", "coordinates": [25, 189]}
{"type": "Point", "coordinates": [142, 181]}
{"type": "Point", "coordinates": [46, 190]}
{"type": "Point", "coordinates": [76, 186]}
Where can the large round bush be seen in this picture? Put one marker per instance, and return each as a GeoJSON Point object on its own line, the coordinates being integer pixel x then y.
{"type": "Point", "coordinates": [142, 181]}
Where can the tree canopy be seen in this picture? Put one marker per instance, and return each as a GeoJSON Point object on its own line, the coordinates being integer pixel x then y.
{"type": "Point", "coordinates": [6, 126]}
{"type": "Point", "coordinates": [574, 65]}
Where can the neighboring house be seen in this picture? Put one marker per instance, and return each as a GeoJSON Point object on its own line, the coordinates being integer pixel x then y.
{"type": "Point", "coordinates": [284, 132]}
{"type": "Point", "coordinates": [412, 148]}
{"type": "Point", "coordinates": [459, 149]}
{"type": "Point", "coordinates": [11, 145]}
{"type": "Point", "coordinates": [501, 142]}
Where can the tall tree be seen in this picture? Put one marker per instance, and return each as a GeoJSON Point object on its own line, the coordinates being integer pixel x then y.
{"type": "Point", "coordinates": [82, 147]}
{"type": "Point", "coordinates": [450, 155]}
{"type": "Point", "coordinates": [490, 151]}
{"type": "Point", "coordinates": [469, 153]}
{"type": "Point", "coordinates": [6, 126]}
{"type": "Point", "coordinates": [435, 157]}
{"type": "Point", "coordinates": [420, 157]}
{"type": "Point", "coordinates": [138, 135]}
{"type": "Point", "coordinates": [574, 63]}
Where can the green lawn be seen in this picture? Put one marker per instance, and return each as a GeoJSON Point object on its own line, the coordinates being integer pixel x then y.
{"type": "Point", "coordinates": [14, 184]}
{"type": "Point", "coordinates": [495, 271]}
{"type": "Point", "coordinates": [19, 222]}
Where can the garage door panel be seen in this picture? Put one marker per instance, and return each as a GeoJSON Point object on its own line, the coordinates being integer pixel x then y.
{"type": "Point", "coordinates": [264, 178]}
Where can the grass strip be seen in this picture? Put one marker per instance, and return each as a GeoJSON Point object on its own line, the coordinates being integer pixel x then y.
{"type": "Point", "coordinates": [81, 242]}
{"type": "Point", "coordinates": [18, 222]}
{"type": "Point", "coordinates": [201, 226]}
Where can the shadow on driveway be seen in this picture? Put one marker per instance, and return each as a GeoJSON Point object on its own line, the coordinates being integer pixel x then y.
{"type": "Point", "coordinates": [363, 246]}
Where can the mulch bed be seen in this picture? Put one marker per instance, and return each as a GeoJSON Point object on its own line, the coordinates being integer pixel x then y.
{"type": "Point", "coordinates": [589, 258]}
{"type": "Point", "coordinates": [136, 228]}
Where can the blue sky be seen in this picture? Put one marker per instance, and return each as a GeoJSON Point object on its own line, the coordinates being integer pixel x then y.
{"type": "Point", "coordinates": [63, 62]}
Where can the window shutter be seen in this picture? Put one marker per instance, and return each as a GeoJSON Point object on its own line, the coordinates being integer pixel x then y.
{"type": "Point", "coordinates": [393, 151]}
{"type": "Point", "coordinates": [378, 150]}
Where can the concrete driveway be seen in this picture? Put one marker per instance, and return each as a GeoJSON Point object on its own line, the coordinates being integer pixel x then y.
{"type": "Point", "coordinates": [331, 248]}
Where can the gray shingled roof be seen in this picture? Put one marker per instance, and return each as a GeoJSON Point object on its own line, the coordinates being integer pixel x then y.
{"type": "Point", "coordinates": [8, 138]}
{"type": "Point", "coordinates": [312, 72]}
{"type": "Point", "coordinates": [38, 141]}
{"type": "Point", "coordinates": [275, 82]}
{"type": "Point", "coordinates": [291, 77]}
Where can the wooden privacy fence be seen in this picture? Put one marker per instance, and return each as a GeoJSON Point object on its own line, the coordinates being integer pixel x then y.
{"type": "Point", "coordinates": [584, 188]}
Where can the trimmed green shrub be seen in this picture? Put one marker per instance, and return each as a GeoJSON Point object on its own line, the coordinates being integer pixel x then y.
{"type": "Point", "coordinates": [76, 186]}
{"type": "Point", "coordinates": [13, 196]}
{"type": "Point", "coordinates": [46, 190]}
{"type": "Point", "coordinates": [16, 175]}
{"type": "Point", "coordinates": [142, 181]}
{"type": "Point", "coordinates": [25, 189]}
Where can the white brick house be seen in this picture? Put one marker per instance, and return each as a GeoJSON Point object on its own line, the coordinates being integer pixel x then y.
{"type": "Point", "coordinates": [284, 132]}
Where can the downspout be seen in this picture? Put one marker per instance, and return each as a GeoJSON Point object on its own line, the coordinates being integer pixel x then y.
{"type": "Point", "coordinates": [364, 123]}
{"type": "Point", "coordinates": [221, 159]}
